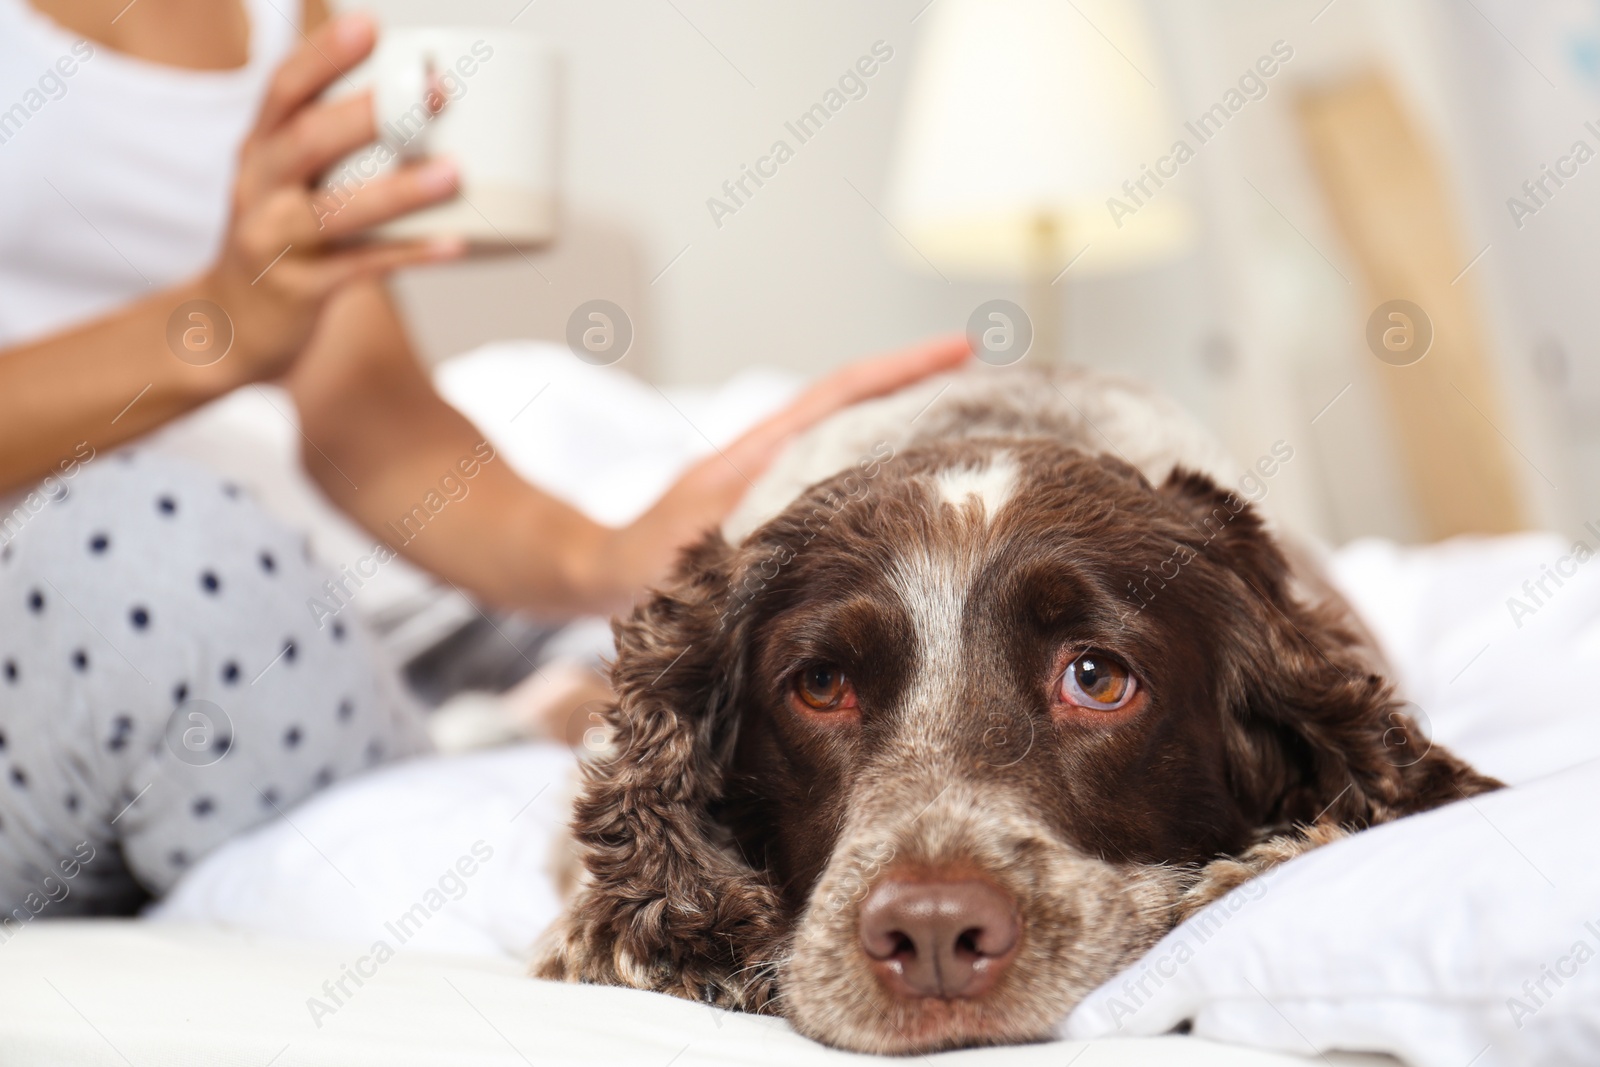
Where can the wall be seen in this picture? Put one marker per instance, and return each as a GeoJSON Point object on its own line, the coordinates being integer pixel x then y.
{"type": "Point", "coordinates": [665, 102]}
{"type": "Point", "coordinates": [666, 99]}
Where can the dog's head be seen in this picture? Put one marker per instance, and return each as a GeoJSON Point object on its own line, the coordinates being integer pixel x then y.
{"type": "Point", "coordinates": [922, 761]}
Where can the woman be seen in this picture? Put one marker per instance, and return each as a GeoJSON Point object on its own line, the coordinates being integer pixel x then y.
{"type": "Point", "coordinates": [160, 689]}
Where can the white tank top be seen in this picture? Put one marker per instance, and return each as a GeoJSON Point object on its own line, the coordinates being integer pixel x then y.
{"type": "Point", "coordinates": [115, 178]}
{"type": "Point", "coordinates": [115, 183]}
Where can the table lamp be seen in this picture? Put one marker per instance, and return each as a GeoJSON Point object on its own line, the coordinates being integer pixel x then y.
{"type": "Point", "coordinates": [1027, 145]}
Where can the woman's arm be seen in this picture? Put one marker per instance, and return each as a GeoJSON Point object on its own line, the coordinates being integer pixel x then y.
{"type": "Point", "coordinates": [101, 384]}
{"type": "Point", "coordinates": [379, 440]}
{"type": "Point", "coordinates": [113, 379]}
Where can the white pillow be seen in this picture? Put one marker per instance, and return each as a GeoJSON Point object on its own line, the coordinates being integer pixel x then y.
{"type": "Point", "coordinates": [470, 840]}
{"type": "Point", "coordinates": [1466, 935]}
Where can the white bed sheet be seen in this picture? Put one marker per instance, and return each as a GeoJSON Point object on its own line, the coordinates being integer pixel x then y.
{"type": "Point", "coordinates": [124, 994]}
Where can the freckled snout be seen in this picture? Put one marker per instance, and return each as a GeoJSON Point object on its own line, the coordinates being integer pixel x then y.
{"type": "Point", "coordinates": [946, 939]}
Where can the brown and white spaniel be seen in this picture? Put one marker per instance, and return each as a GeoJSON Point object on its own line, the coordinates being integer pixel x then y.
{"type": "Point", "coordinates": [988, 685]}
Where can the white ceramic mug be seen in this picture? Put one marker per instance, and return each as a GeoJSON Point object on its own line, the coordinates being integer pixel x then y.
{"type": "Point", "coordinates": [498, 90]}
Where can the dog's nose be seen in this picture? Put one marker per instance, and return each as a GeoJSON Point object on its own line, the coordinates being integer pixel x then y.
{"type": "Point", "coordinates": [938, 939]}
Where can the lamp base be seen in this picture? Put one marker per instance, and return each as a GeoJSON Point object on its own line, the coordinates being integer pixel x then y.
{"type": "Point", "coordinates": [1043, 307]}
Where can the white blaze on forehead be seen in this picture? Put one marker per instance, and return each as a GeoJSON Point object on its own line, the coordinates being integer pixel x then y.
{"type": "Point", "coordinates": [934, 589]}
{"type": "Point", "coordinates": [990, 482]}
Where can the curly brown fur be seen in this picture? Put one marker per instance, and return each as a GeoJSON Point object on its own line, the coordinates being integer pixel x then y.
{"type": "Point", "coordinates": [665, 904]}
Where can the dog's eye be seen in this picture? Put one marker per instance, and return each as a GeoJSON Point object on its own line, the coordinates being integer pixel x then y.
{"type": "Point", "coordinates": [823, 687]}
{"type": "Point", "coordinates": [1096, 681]}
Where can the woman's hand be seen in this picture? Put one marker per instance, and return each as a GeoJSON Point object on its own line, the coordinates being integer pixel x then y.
{"type": "Point", "coordinates": [640, 555]}
{"type": "Point", "coordinates": [282, 255]}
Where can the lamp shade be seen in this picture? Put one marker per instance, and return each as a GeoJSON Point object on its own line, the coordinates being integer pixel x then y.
{"type": "Point", "coordinates": [1027, 116]}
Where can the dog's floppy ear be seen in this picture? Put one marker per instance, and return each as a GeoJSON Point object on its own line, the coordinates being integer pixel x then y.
{"type": "Point", "coordinates": [1314, 732]}
{"type": "Point", "coordinates": [663, 905]}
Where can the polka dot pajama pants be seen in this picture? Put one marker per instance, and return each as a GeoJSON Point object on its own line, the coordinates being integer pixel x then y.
{"type": "Point", "coordinates": [164, 685]}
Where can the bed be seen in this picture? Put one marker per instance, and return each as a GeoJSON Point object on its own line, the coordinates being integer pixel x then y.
{"type": "Point", "coordinates": [1448, 939]}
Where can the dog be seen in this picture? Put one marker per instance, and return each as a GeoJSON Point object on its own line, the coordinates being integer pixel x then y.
{"type": "Point", "coordinates": [985, 687]}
